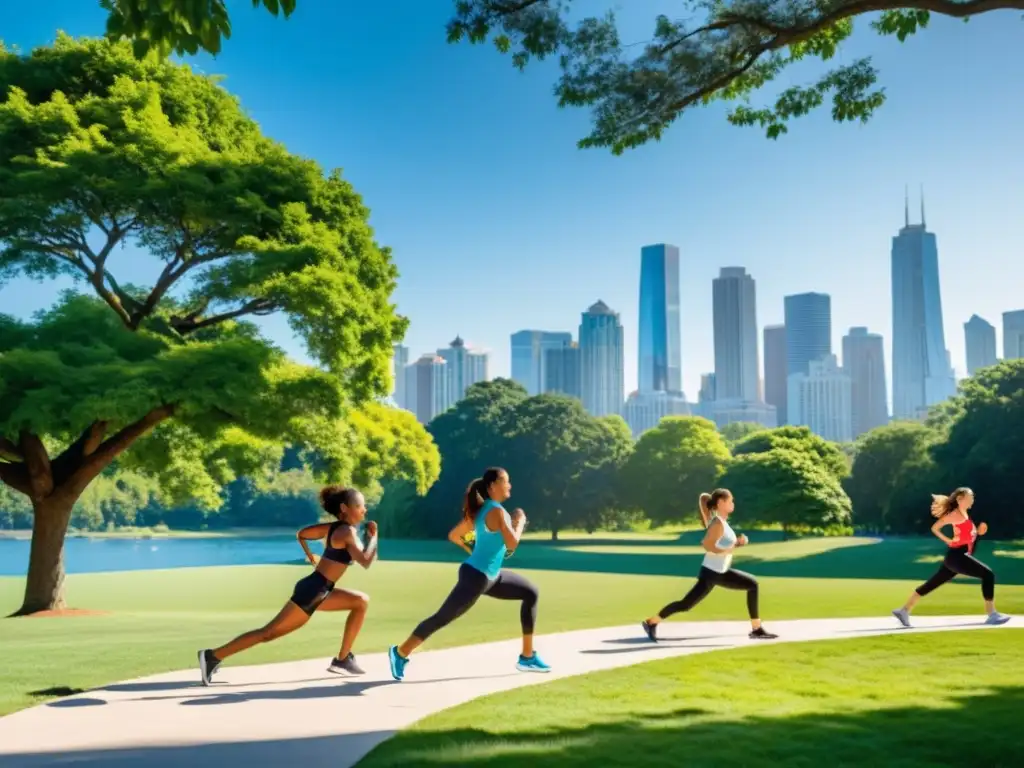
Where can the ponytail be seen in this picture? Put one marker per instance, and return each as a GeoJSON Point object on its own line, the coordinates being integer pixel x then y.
{"type": "Point", "coordinates": [478, 493]}
{"type": "Point", "coordinates": [709, 503]}
{"type": "Point", "coordinates": [943, 505]}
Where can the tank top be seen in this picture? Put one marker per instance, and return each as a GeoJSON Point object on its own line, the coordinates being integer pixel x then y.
{"type": "Point", "coordinates": [964, 535]}
{"type": "Point", "coordinates": [720, 563]}
{"type": "Point", "coordinates": [489, 549]}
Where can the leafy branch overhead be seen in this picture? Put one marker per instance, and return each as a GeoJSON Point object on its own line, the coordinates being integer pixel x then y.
{"type": "Point", "coordinates": [712, 50]}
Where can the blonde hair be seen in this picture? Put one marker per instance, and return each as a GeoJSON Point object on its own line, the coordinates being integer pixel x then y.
{"type": "Point", "coordinates": [709, 503]}
{"type": "Point", "coordinates": [943, 505]}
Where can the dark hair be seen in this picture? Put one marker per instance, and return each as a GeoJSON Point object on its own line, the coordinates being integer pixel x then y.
{"type": "Point", "coordinates": [709, 502]}
{"type": "Point", "coordinates": [476, 492]}
{"type": "Point", "coordinates": [943, 505]}
{"type": "Point", "coordinates": [333, 497]}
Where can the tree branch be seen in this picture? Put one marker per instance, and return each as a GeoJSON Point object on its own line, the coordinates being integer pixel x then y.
{"type": "Point", "coordinates": [71, 458]}
{"type": "Point", "coordinates": [189, 324]}
{"type": "Point", "coordinates": [16, 477]}
{"type": "Point", "coordinates": [37, 463]}
{"type": "Point", "coordinates": [8, 450]}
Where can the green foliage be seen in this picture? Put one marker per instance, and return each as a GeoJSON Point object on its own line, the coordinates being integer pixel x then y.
{"type": "Point", "coordinates": [714, 50]}
{"type": "Point", "coordinates": [799, 439]}
{"type": "Point", "coordinates": [671, 466]}
{"type": "Point", "coordinates": [735, 431]}
{"type": "Point", "coordinates": [787, 487]}
{"type": "Point", "coordinates": [887, 459]}
{"type": "Point", "coordinates": [113, 500]}
{"type": "Point", "coordinates": [182, 26]}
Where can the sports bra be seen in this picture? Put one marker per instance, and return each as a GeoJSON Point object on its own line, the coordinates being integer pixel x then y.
{"type": "Point", "coordinates": [964, 535]}
{"type": "Point", "coordinates": [338, 555]}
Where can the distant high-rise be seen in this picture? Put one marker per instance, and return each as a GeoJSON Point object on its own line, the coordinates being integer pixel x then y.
{"type": "Point", "coordinates": [399, 359]}
{"type": "Point", "coordinates": [601, 360]}
{"type": "Point", "coordinates": [921, 373]}
{"type": "Point", "coordinates": [528, 349]}
{"type": "Point", "coordinates": [980, 339]}
{"type": "Point", "coordinates": [426, 387]}
{"type": "Point", "coordinates": [735, 334]}
{"type": "Point", "coordinates": [808, 330]}
{"type": "Point", "coordinates": [466, 367]}
{"type": "Point", "coordinates": [775, 369]}
{"type": "Point", "coordinates": [821, 399]}
{"type": "Point", "coordinates": [1013, 335]}
{"type": "Point", "coordinates": [562, 370]}
{"type": "Point", "coordinates": [864, 361]}
{"type": "Point", "coordinates": [645, 410]}
{"type": "Point", "coordinates": [660, 367]}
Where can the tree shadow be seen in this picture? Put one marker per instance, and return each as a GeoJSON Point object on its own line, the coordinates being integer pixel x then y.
{"type": "Point", "coordinates": [649, 646]}
{"type": "Point", "coordinates": [57, 690]}
{"type": "Point", "coordinates": [982, 726]}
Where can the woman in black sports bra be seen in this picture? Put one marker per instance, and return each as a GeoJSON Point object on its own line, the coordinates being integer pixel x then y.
{"type": "Point", "coordinates": [341, 548]}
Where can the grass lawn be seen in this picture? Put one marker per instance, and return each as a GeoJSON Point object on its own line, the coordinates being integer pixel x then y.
{"type": "Point", "coordinates": [155, 620]}
{"type": "Point", "coordinates": [899, 701]}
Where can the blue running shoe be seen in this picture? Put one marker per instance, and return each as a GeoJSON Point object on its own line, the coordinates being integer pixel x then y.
{"type": "Point", "coordinates": [532, 664]}
{"type": "Point", "coordinates": [397, 663]}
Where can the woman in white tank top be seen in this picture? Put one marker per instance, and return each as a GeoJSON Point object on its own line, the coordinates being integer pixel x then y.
{"type": "Point", "coordinates": [716, 571]}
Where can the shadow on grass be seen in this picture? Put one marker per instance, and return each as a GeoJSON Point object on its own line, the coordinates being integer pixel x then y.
{"type": "Point", "coordinates": [909, 559]}
{"type": "Point", "coordinates": [982, 729]}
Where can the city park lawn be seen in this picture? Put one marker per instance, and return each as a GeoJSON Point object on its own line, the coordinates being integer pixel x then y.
{"type": "Point", "coordinates": [930, 699]}
{"type": "Point", "coordinates": [143, 622]}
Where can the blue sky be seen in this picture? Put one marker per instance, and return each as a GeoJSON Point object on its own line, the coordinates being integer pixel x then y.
{"type": "Point", "coordinates": [499, 223]}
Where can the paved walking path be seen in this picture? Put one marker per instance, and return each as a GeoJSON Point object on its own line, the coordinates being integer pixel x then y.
{"type": "Point", "coordinates": [295, 713]}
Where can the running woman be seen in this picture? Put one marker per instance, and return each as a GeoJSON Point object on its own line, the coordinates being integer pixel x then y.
{"type": "Point", "coordinates": [497, 534]}
{"type": "Point", "coordinates": [317, 591]}
{"type": "Point", "coordinates": [953, 511]}
{"type": "Point", "coordinates": [719, 542]}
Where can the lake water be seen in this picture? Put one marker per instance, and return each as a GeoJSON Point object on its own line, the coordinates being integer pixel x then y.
{"type": "Point", "coordinates": [84, 555]}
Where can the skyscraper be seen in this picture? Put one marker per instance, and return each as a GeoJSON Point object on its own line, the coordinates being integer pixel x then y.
{"type": "Point", "coordinates": [980, 340]}
{"type": "Point", "coordinates": [528, 349]}
{"type": "Point", "coordinates": [921, 374]}
{"type": "Point", "coordinates": [602, 361]}
{"type": "Point", "coordinates": [645, 410]}
{"type": "Point", "coordinates": [426, 387]}
{"type": "Point", "coordinates": [660, 368]}
{"type": "Point", "coordinates": [775, 370]}
{"type": "Point", "coordinates": [737, 366]}
{"type": "Point", "coordinates": [1013, 334]}
{"type": "Point", "coordinates": [399, 360]}
{"type": "Point", "coordinates": [808, 330]}
{"type": "Point", "coordinates": [562, 370]}
{"type": "Point", "coordinates": [864, 361]}
{"type": "Point", "coordinates": [821, 399]}
{"type": "Point", "coordinates": [465, 366]}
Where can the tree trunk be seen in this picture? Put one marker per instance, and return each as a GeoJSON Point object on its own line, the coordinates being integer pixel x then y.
{"type": "Point", "coordinates": [44, 588]}
{"type": "Point", "coordinates": [554, 533]}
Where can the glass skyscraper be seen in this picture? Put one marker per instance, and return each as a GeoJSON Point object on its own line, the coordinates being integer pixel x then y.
{"type": "Point", "coordinates": [528, 348]}
{"type": "Point", "coordinates": [980, 340]}
{"type": "Point", "coordinates": [659, 351]}
{"type": "Point", "coordinates": [808, 330]}
{"type": "Point", "coordinates": [601, 360]}
{"type": "Point", "coordinates": [921, 372]}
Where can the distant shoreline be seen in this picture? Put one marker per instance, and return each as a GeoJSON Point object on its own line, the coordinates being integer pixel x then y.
{"type": "Point", "coordinates": [149, 533]}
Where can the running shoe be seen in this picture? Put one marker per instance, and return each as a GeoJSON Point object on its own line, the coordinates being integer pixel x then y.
{"type": "Point", "coordinates": [761, 634]}
{"type": "Point", "coordinates": [532, 664]}
{"type": "Point", "coordinates": [208, 664]}
{"type": "Point", "coordinates": [651, 630]}
{"type": "Point", "coordinates": [996, 618]}
{"type": "Point", "coordinates": [903, 616]}
{"type": "Point", "coordinates": [397, 662]}
{"type": "Point", "coordinates": [346, 666]}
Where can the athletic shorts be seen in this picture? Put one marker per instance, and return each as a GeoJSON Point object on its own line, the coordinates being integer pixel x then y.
{"type": "Point", "coordinates": [310, 591]}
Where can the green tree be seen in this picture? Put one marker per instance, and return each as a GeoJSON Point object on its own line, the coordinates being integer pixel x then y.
{"type": "Point", "coordinates": [801, 439]}
{"type": "Point", "coordinates": [882, 458]}
{"type": "Point", "coordinates": [735, 431]}
{"type": "Point", "coordinates": [787, 487]}
{"type": "Point", "coordinates": [106, 158]}
{"type": "Point", "coordinates": [711, 51]}
{"type": "Point", "coordinates": [593, 499]}
{"type": "Point", "coordinates": [671, 466]}
{"type": "Point", "coordinates": [985, 445]}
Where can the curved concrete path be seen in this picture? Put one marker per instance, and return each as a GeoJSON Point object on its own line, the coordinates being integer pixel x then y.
{"type": "Point", "coordinates": [295, 713]}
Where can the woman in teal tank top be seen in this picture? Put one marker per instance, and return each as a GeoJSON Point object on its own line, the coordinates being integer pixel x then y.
{"type": "Point", "coordinates": [497, 534]}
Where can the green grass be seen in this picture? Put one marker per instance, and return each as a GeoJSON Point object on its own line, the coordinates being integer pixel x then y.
{"type": "Point", "coordinates": [157, 619]}
{"type": "Point", "coordinates": [897, 701]}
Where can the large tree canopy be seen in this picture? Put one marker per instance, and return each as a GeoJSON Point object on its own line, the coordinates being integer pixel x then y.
{"type": "Point", "coordinates": [111, 163]}
{"type": "Point", "coordinates": [799, 439]}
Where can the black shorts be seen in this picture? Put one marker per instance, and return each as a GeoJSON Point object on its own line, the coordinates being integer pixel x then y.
{"type": "Point", "coordinates": [311, 591]}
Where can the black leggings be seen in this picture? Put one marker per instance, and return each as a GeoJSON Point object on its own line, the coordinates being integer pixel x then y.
{"type": "Point", "coordinates": [708, 580]}
{"type": "Point", "coordinates": [959, 563]}
{"type": "Point", "coordinates": [470, 586]}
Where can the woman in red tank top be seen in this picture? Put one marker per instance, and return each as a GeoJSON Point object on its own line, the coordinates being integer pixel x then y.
{"type": "Point", "coordinates": [953, 510]}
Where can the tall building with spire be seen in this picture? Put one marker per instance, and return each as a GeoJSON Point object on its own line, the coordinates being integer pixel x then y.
{"type": "Point", "coordinates": [921, 371]}
{"type": "Point", "coordinates": [466, 367]}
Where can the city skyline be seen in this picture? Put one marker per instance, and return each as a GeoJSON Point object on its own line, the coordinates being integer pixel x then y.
{"type": "Point", "coordinates": [822, 205]}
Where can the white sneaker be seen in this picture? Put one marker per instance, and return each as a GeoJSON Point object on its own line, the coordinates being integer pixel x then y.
{"type": "Point", "coordinates": [996, 618]}
{"type": "Point", "coordinates": [903, 617]}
